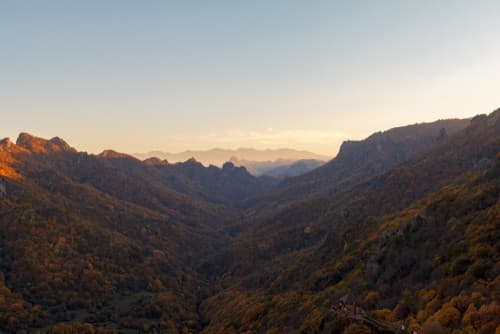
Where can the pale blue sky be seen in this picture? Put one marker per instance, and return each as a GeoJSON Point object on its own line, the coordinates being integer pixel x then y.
{"type": "Point", "coordinates": [175, 75]}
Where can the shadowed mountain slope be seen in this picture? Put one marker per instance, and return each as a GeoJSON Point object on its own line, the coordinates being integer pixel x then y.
{"type": "Point", "coordinates": [359, 161]}
{"type": "Point", "coordinates": [105, 239]}
{"type": "Point", "coordinates": [398, 241]}
{"type": "Point", "coordinates": [92, 239]}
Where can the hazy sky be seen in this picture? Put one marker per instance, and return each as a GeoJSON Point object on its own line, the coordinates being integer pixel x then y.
{"type": "Point", "coordinates": [175, 75]}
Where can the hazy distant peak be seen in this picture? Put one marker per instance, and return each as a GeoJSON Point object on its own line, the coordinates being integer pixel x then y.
{"type": "Point", "coordinates": [218, 156]}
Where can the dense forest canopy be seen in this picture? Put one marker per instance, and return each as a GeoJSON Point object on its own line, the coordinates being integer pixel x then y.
{"type": "Point", "coordinates": [400, 230]}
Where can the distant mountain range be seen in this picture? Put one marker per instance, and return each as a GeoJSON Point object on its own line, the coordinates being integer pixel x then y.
{"type": "Point", "coordinates": [278, 168]}
{"type": "Point", "coordinates": [218, 157]}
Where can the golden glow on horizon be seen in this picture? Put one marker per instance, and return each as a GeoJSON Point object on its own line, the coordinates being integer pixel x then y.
{"type": "Point", "coordinates": [322, 74]}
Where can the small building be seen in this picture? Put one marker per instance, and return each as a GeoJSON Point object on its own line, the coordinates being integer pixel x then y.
{"type": "Point", "coordinates": [348, 302]}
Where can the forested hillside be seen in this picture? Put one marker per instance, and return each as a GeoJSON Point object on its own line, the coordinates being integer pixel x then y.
{"type": "Point", "coordinates": [405, 223]}
{"type": "Point", "coordinates": [97, 239]}
{"type": "Point", "coordinates": [417, 244]}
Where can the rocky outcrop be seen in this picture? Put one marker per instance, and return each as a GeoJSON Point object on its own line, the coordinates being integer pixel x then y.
{"type": "Point", "coordinates": [6, 143]}
{"type": "Point", "coordinates": [62, 144]}
{"type": "Point", "coordinates": [228, 166]}
{"type": "Point", "coordinates": [40, 145]}
{"type": "Point", "coordinates": [155, 162]}
{"type": "Point", "coordinates": [113, 154]}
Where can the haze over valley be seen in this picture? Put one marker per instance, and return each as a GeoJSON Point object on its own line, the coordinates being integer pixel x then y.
{"type": "Point", "coordinates": [273, 162]}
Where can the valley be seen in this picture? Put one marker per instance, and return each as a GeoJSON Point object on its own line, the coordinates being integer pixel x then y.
{"type": "Point", "coordinates": [406, 221]}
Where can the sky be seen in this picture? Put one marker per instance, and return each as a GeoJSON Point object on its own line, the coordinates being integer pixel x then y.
{"type": "Point", "coordinates": [136, 76]}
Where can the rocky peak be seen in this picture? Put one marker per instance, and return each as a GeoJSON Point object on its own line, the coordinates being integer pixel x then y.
{"type": "Point", "coordinates": [59, 142]}
{"type": "Point", "coordinates": [6, 142]}
{"type": "Point", "coordinates": [26, 140]}
{"type": "Point", "coordinates": [7, 147]}
{"type": "Point", "coordinates": [114, 154]}
{"type": "Point", "coordinates": [193, 162]}
{"type": "Point", "coordinates": [155, 161]}
{"type": "Point", "coordinates": [228, 166]}
{"type": "Point", "coordinates": [494, 117]}
{"type": "Point", "coordinates": [40, 145]}
{"type": "Point", "coordinates": [479, 119]}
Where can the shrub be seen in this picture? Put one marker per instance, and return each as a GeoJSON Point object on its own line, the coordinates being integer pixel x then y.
{"type": "Point", "coordinates": [356, 329]}
{"type": "Point", "coordinates": [433, 328]}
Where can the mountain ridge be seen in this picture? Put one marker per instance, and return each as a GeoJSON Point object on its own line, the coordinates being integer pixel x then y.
{"type": "Point", "coordinates": [219, 156]}
{"type": "Point", "coordinates": [278, 168]}
{"type": "Point", "coordinates": [360, 160]}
